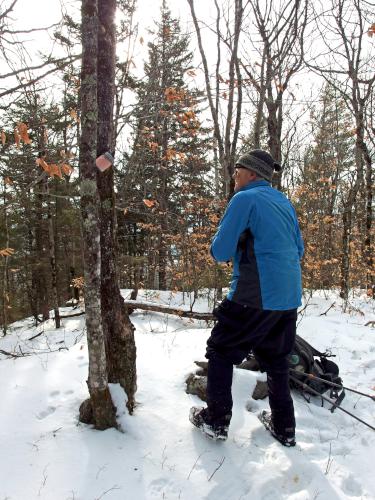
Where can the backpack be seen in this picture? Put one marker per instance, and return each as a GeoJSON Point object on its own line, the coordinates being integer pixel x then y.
{"type": "Point", "coordinates": [305, 359]}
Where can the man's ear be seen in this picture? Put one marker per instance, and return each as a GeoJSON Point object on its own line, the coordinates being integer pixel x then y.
{"type": "Point", "coordinates": [252, 175]}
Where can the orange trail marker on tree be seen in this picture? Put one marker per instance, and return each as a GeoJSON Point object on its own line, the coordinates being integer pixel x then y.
{"type": "Point", "coordinates": [104, 161]}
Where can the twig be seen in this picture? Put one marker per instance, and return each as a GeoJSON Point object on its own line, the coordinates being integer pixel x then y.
{"type": "Point", "coordinates": [13, 355]}
{"type": "Point", "coordinates": [101, 469]}
{"type": "Point", "coordinates": [330, 307]}
{"type": "Point", "coordinates": [301, 312]}
{"type": "Point", "coordinates": [45, 477]}
{"type": "Point", "coordinates": [37, 335]}
{"type": "Point", "coordinates": [163, 457]}
{"type": "Point", "coordinates": [330, 460]}
{"type": "Point", "coordinates": [305, 307]}
{"type": "Point", "coordinates": [35, 352]}
{"type": "Point", "coordinates": [195, 463]}
{"type": "Point", "coordinates": [217, 468]}
{"type": "Point", "coordinates": [115, 487]}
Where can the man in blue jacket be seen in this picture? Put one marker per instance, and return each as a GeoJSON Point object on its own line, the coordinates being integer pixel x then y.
{"type": "Point", "coordinates": [259, 232]}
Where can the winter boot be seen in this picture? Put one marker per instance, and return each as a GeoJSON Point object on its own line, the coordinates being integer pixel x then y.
{"type": "Point", "coordinates": [198, 417]}
{"type": "Point", "coordinates": [286, 438]}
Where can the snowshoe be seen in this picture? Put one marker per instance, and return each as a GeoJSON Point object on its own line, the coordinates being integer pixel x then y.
{"type": "Point", "coordinates": [288, 439]}
{"type": "Point", "coordinates": [198, 417]}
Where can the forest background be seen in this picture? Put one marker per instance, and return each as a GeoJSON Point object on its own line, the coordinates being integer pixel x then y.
{"type": "Point", "coordinates": [190, 94]}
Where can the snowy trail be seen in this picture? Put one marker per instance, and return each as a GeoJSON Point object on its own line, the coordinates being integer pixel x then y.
{"type": "Point", "coordinates": [46, 454]}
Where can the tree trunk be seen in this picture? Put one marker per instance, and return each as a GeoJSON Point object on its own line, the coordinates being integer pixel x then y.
{"type": "Point", "coordinates": [29, 264]}
{"type": "Point", "coordinates": [345, 257]}
{"type": "Point", "coordinates": [368, 239]}
{"type": "Point", "coordinates": [118, 329]}
{"type": "Point", "coordinates": [274, 125]}
{"type": "Point", "coordinates": [52, 255]}
{"type": "Point", "coordinates": [5, 272]}
{"type": "Point", "coordinates": [164, 202]}
{"type": "Point", "coordinates": [347, 227]}
{"type": "Point", "coordinates": [362, 147]}
{"type": "Point", "coordinates": [103, 412]}
{"type": "Point", "coordinates": [39, 256]}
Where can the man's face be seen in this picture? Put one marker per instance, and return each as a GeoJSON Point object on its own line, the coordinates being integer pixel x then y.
{"type": "Point", "coordinates": [242, 176]}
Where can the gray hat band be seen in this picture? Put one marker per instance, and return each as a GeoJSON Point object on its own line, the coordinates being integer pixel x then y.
{"type": "Point", "coordinates": [263, 168]}
{"type": "Point", "coordinates": [257, 165]}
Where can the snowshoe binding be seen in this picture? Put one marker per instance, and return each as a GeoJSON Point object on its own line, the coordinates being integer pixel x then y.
{"type": "Point", "coordinates": [286, 439]}
{"type": "Point", "coordinates": [198, 417]}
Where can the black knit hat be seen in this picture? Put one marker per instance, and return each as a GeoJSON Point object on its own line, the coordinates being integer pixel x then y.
{"type": "Point", "coordinates": [260, 162]}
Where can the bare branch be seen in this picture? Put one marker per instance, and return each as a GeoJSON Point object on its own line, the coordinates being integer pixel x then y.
{"type": "Point", "coordinates": [207, 81]}
{"type": "Point", "coordinates": [8, 10]}
{"type": "Point", "coordinates": [36, 79]}
{"type": "Point", "coordinates": [31, 30]}
{"type": "Point", "coordinates": [63, 60]}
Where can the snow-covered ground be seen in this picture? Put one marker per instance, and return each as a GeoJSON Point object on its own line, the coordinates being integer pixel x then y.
{"type": "Point", "coordinates": [47, 454]}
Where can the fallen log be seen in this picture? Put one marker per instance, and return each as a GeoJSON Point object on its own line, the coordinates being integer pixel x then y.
{"type": "Point", "coordinates": [81, 313]}
{"type": "Point", "coordinates": [149, 306]}
{"type": "Point", "coordinates": [13, 354]}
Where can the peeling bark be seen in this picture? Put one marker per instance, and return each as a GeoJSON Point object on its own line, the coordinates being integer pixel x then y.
{"type": "Point", "coordinates": [103, 410]}
{"type": "Point", "coordinates": [118, 329]}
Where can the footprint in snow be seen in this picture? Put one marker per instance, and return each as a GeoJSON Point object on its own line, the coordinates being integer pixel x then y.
{"type": "Point", "coordinates": [369, 364]}
{"type": "Point", "coordinates": [351, 486]}
{"type": "Point", "coordinates": [45, 413]}
{"type": "Point", "coordinates": [162, 488]}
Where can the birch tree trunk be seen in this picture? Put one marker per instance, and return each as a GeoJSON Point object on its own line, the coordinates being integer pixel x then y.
{"type": "Point", "coordinates": [118, 329]}
{"type": "Point", "coordinates": [99, 410]}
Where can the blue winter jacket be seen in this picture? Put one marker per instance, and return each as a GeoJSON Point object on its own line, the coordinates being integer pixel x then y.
{"type": "Point", "coordinates": [260, 232]}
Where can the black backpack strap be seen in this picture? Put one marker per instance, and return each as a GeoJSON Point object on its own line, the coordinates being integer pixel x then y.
{"type": "Point", "coordinates": [314, 352]}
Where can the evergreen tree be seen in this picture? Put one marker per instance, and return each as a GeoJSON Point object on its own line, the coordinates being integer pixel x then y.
{"type": "Point", "coordinates": [168, 165]}
{"type": "Point", "coordinates": [35, 160]}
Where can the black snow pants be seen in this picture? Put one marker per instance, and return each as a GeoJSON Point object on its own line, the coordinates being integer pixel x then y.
{"type": "Point", "coordinates": [270, 335]}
